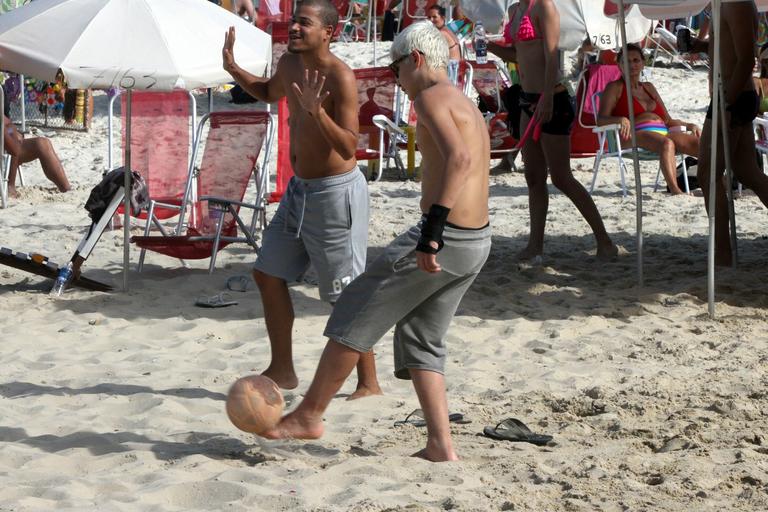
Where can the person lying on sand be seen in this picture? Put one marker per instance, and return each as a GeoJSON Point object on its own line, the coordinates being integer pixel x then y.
{"type": "Point", "coordinates": [24, 150]}
{"type": "Point", "coordinates": [419, 280]}
{"type": "Point", "coordinates": [655, 130]}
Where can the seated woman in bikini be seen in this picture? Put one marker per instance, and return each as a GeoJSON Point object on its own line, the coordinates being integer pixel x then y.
{"type": "Point", "coordinates": [655, 130]}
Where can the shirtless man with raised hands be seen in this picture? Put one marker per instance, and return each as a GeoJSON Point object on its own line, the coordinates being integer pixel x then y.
{"type": "Point", "coordinates": [322, 218]}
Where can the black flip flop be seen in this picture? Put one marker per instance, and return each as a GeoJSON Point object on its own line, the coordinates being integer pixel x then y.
{"type": "Point", "coordinates": [512, 429]}
{"type": "Point", "coordinates": [416, 418]}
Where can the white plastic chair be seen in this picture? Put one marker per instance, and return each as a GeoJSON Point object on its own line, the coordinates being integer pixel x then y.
{"type": "Point", "coordinates": [610, 146]}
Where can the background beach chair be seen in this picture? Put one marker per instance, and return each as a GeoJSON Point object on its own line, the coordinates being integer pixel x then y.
{"type": "Point", "coordinates": [232, 148]}
{"type": "Point", "coordinates": [378, 96]}
{"type": "Point", "coordinates": [399, 129]}
{"type": "Point", "coordinates": [162, 135]}
{"type": "Point", "coordinates": [610, 147]}
{"type": "Point", "coordinates": [491, 81]}
{"type": "Point", "coordinates": [412, 11]}
{"type": "Point", "coordinates": [283, 168]}
{"type": "Point", "coordinates": [594, 77]}
{"type": "Point", "coordinates": [5, 169]}
{"type": "Point", "coordinates": [664, 40]}
{"type": "Point", "coordinates": [761, 139]}
{"type": "Point", "coordinates": [347, 30]}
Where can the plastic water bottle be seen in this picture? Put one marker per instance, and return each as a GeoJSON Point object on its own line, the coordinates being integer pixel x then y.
{"type": "Point", "coordinates": [481, 43]}
{"type": "Point", "coordinates": [62, 280]}
{"type": "Point", "coordinates": [684, 39]}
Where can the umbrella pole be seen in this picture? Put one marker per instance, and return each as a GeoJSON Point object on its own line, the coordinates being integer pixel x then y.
{"type": "Point", "coordinates": [713, 162]}
{"type": "Point", "coordinates": [127, 192]}
{"type": "Point", "coordinates": [23, 105]}
{"type": "Point", "coordinates": [635, 159]}
{"type": "Point", "coordinates": [373, 17]}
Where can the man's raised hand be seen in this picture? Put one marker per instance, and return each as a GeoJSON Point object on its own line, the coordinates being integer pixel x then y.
{"type": "Point", "coordinates": [228, 51]}
{"type": "Point", "coordinates": [310, 94]}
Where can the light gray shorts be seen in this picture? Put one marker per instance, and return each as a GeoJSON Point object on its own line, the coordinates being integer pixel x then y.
{"type": "Point", "coordinates": [393, 291]}
{"type": "Point", "coordinates": [322, 222]}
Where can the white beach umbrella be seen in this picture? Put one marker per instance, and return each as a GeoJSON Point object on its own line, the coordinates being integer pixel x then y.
{"type": "Point", "coordinates": [604, 30]}
{"type": "Point", "coordinates": [157, 45]}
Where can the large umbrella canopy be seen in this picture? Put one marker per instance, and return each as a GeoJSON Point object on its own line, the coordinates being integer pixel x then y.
{"type": "Point", "coordinates": [138, 44]}
{"type": "Point", "coordinates": [667, 9]}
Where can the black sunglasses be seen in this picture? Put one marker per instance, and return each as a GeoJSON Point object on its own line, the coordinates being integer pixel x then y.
{"type": "Point", "coordinates": [394, 67]}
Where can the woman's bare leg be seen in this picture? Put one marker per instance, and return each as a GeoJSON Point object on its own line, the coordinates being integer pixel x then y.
{"type": "Point", "coordinates": [42, 149]}
{"type": "Point", "coordinates": [722, 230]}
{"type": "Point", "coordinates": [665, 147]}
{"type": "Point", "coordinates": [556, 151]}
{"type": "Point", "coordinates": [538, 196]}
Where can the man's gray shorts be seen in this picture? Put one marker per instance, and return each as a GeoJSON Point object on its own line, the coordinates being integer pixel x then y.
{"type": "Point", "coordinates": [394, 291]}
{"type": "Point", "coordinates": [322, 221]}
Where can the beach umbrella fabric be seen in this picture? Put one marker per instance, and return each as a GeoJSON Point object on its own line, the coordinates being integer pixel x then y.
{"type": "Point", "coordinates": [133, 44]}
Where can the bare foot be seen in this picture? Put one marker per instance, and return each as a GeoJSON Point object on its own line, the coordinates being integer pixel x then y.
{"type": "Point", "coordinates": [607, 252]}
{"type": "Point", "coordinates": [436, 455]}
{"type": "Point", "coordinates": [12, 192]}
{"type": "Point", "coordinates": [284, 379]}
{"type": "Point", "coordinates": [363, 390]}
{"type": "Point", "coordinates": [529, 253]}
{"type": "Point", "coordinates": [296, 426]}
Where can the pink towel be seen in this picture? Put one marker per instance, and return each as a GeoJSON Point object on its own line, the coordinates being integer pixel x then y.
{"type": "Point", "coordinates": [600, 75]}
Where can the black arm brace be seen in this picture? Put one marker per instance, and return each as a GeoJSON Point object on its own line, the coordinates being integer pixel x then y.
{"type": "Point", "coordinates": [432, 229]}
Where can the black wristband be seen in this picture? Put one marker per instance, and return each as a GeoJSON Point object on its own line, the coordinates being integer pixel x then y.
{"type": "Point", "coordinates": [432, 229]}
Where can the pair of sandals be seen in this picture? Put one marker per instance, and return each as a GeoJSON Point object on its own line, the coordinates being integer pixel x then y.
{"type": "Point", "coordinates": [510, 429]}
{"type": "Point", "coordinates": [238, 283]}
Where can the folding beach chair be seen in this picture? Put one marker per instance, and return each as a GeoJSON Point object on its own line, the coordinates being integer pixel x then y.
{"type": "Point", "coordinates": [490, 81]}
{"type": "Point", "coordinates": [610, 147]}
{"type": "Point", "coordinates": [665, 41]}
{"type": "Point", "coordinates": [162, 135]}
{"type": "Point", "coordinates": [347, 30]}
{"type": "Point", "coordinates": [379, 97]}
{"type": "Point", "coordinates": [760, 125]}
{"type": "Point", "coordinates": [232, 148]}
{"type": "Point", "coordinates": [584, 142]}
{"type": "Point", "coordinates": [5, 169]}
{"type": "Point", "coordinates": [271, 11]}
{"type": "Point", "coordinates": [414, 10]}
{"type": "Point", "coordinates": [283, 166]}
{"type": "Point", "coordinates": [396, 129]}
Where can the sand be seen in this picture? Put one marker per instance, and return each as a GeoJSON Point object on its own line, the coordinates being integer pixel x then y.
{"type": "Point", "coordinates": [115, 402]}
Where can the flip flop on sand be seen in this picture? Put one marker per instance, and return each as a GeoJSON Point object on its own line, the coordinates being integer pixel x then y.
{"type": "Point", "coordinates": [512, 429]}
{"type": "Point", "coordinates": [238, 283]}
{"type": "Point", "coordinates": [219, 300]}
{"type": "Point", "coordinates": [416, 418]}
